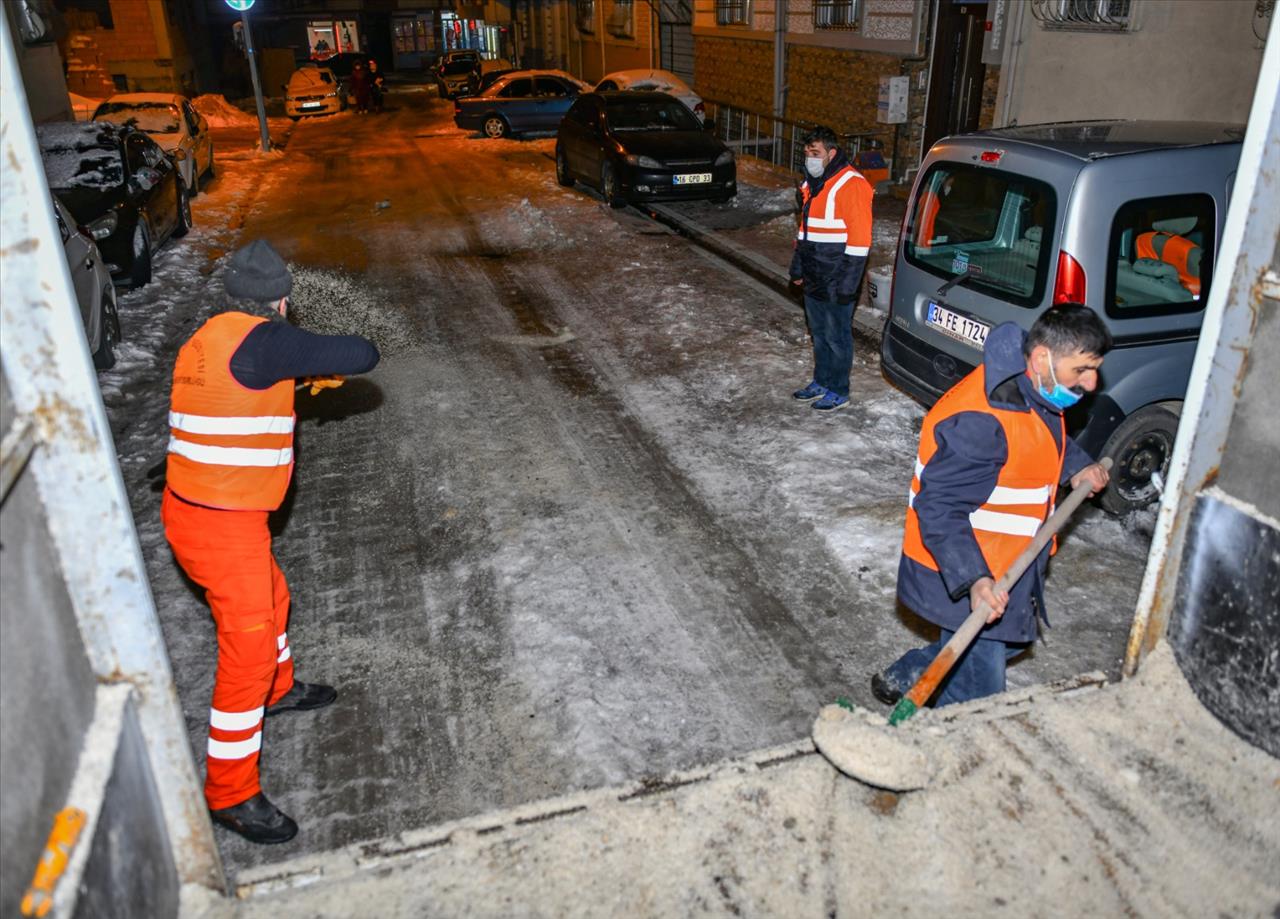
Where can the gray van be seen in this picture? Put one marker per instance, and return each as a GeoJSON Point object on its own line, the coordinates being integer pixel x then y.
{"type": "Point", "coordinates": [1125, 216]}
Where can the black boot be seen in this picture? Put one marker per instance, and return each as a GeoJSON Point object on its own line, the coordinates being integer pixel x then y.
{"type": "Point", "coordinates": [303, 697]}
{"type": "Point", "coordinates": [257, 820]}
{"type": "Point", "coordinates": [885, 691]}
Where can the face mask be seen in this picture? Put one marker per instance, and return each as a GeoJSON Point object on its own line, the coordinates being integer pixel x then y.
{"type": "Point", "coordinates": [814, 165]}
{"type": "Point", "coordinates": [1059, 396]}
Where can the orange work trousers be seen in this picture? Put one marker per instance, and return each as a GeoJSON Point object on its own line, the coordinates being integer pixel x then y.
{"type": "Point", "coordinates": [228, 553]}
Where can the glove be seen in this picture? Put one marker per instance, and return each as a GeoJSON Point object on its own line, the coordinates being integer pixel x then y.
{"type": "Point", "coordinates": [319, 383]}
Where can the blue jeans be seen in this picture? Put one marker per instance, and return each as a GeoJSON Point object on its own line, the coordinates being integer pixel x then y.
{"type": "Point", "coordinates": [978, 673]}
{"type": "Point", "coordinates": [831, 325]}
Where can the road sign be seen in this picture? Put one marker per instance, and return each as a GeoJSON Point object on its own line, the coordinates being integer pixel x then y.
{"type": "Point", "coordinates": [240, 6]}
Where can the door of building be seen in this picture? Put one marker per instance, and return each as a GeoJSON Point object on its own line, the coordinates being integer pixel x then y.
{"type": "Point", "coordinates": [956, 71]}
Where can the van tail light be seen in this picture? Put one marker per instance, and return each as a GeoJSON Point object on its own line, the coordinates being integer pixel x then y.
{"type": "Point", "coordinates": [1070, 285]}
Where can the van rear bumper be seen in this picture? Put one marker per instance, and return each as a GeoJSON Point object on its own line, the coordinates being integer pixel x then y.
{"type": "Point", "coordinates": [917, 367]}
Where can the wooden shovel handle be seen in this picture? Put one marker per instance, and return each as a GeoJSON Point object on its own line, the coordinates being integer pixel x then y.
{"type": "Point", "coordinates": [919, 694]}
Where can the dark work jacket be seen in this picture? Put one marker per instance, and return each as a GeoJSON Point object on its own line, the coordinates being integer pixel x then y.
{"type": "Point", "coordinates": [959, 477]}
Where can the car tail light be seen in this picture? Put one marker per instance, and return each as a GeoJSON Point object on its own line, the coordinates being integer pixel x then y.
{"type": "Point", "coordinates": [991, 156]}
{"type": "Point", "coordinates": [457, 107]}
{"type": "Point", "coordinates": [1070, 284]}
{"type": "Point", "coordinates": [699, 109]}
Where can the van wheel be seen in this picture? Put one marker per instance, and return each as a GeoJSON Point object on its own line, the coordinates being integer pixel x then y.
{"type": "Point", "coordinates": [1141, 446]}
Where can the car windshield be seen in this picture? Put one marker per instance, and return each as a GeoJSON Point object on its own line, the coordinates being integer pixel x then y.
{"type": "Point", "coordinates": [649, 115]}
{"type": "Point", "coordinates": [76, 156]}
{"type": "Point", "coordinates": [152, 117]}
{"type": "Point", "coordinates": [461, 65]}
{"type": "Point", "coordinates": [994, 227]}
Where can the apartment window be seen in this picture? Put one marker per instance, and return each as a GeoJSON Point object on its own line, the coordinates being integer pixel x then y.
{"type": "Point", "coordinates": [622, 19]}
{"type": "Point", "coordinates": [586, 15]}
{"type": "Point", "coordinates": [835, 14]}
{"type": "Point", "coordinates": [1085, 15]}
{"type": "Point", "coordinates": [733, 12]}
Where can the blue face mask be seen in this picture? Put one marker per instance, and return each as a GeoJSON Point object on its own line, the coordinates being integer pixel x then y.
{"type": "Point", "coordinates": [1059, 396]}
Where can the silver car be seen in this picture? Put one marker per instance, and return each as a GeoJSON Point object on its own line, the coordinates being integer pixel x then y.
{"type": "Point", "coordinates": [95, 293]}
{"type": "Point", "coordinates": [1123, 216]}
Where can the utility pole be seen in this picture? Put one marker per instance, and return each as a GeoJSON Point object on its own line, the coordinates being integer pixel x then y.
{"type": "Point", "coordinates": [242, 7]}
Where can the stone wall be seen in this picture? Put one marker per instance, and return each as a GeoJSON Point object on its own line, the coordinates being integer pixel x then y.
{"type": "Point", "coordinates": [990, 95]}
{"type": "Point", "coordinates": [736, 71]}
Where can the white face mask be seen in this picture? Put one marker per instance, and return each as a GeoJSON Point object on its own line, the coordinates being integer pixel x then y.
{"type": "Point", "coordinates": [814, 165]}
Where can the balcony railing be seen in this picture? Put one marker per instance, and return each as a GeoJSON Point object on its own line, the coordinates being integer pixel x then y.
{"type": "Point", "coordinates": [776, 140]}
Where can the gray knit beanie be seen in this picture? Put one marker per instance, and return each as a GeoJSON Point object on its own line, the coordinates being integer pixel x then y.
{"type": "Point", "coordinates": [257, 272]}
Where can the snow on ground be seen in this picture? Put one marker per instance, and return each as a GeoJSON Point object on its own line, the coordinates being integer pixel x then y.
{"type": "Point", "coordinates": [573, 529]}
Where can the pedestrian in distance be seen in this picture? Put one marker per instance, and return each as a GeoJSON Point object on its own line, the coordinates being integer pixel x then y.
{"type": "Point", "coordinates": [360, 86]}
{"type": "Point", "coordinates": [229, 464]}
{"type": "Point", "coordinates": [993, 452]}
{"type": "Point", "coordinates": [831, 248]}
{"type": "Point", "coordinates": [376, 83]}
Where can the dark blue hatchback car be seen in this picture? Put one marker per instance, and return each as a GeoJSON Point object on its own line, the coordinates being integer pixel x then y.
{"type": "Point", "coordinates": [526, 100]}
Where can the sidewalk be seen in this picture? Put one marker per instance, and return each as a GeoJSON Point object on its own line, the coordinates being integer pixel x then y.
{"type": "Point", "coordinates": [756, 231]}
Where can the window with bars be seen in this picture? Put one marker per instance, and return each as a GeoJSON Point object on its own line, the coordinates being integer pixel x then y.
{"type": "Point", "coordinates": [586, 15]}
{"type": "Point", "coordinates": [733, 12]}
{"type": "Point", "coordinates": [622, 19]}
{"type": "Point", "coordinates": [835, 14]}
{"type": "Point", "coordinates": [1085, 15]}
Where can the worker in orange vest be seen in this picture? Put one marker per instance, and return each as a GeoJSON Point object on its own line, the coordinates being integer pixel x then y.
{"type": "Point", "coordinates": [993, 451]}
{"type": "Point", "coordinates": [229, 464]}
{"type": "Point", "coordinates": [833, 241]}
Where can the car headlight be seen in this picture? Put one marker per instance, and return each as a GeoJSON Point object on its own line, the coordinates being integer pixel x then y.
{"type": "Point", "coordinates": [104, 226]}
{"type": "Point", "coordinates": [646, 162]}
{"type": "Point", "coordinates": [724, 159]}
{"type": "Point", "coordinates": [331, 95]}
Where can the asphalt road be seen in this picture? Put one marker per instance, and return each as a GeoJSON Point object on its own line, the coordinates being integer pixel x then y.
{"type": "Point", "coordinates": [555, 540]}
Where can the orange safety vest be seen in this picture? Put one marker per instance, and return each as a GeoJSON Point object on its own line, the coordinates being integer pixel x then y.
{"type": "Point", "coordinates": [930, 204]}
{"type": "Point", "coordinates": [1025, 490]}
{"type": "Point", "coordinates": [230, 447]}
{"type": "Point", "coordinates": [1174, 250]}
{"type": "Point", "coordinates": [836, 218]}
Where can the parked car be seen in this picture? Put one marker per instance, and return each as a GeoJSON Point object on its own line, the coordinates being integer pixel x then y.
{"type": "Point", "coordinates": [527, 100]}
{"type": "Point", "coordinates": [119, 184]}
{"type": "Point", "coordinates": [638, 145]}
{"type": "Point", "coordinates": [1124, 216]}
{"type": "Point", "coordinates": [489, 77]}
{"type": "Point", "coordinates": [460, 77]}
{"type": "Point", "coordinates": [172, 122]}
{"type": "Point", "coordinates": [313, 90]}
{"type": "Point", "coordinates": [95, 293]}
{"type": "Point", "coordinates": [458, 54]}
{"type": "Point", "coordinates": [654, 81]}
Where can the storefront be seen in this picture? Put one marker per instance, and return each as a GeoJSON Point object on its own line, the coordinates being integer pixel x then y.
{"type": "Point", "coordinates": [327, 37]}
{"type": "Point", "coordinates": [456, 33]}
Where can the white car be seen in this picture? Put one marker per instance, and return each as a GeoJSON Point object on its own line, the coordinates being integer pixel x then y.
{"type": "Point", "coordinates": [173, 123]}
{"type": "Point", "coordinates": [95, 293]}
{"type": "Point", "coordinates": [313, 91]}
{"type": "Point", "coordinates": [655, 81]}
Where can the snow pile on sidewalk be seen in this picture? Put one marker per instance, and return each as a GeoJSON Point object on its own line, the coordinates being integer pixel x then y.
{"type": "Point", "coordinates": [334, 303]}
{"type": "Point", "coordinates": [220, 113]}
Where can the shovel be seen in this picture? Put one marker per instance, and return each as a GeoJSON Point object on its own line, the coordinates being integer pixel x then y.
{"type": "Point", "coordinates": [832, 730]}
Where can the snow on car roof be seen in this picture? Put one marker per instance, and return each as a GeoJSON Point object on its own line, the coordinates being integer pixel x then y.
{"type": "Point", "coordinates": [655, 77]}
{"type": "Point", "coordinates": [154, 116]}
{"type": "Point", "coordinates": [80, 154]}
{"type": "Point", "coordinates": [160, 98]}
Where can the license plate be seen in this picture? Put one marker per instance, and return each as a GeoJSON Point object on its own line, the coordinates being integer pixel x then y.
{"type": "Point", "coordinates": [312, 104]}
{"type": "Point", "coordinates": [967, 330]}
{"type": "Point", "coordinates": [693, 178]}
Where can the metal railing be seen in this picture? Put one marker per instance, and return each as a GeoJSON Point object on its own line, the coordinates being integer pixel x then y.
{"type": "Point", "coordinates": [775, 140]}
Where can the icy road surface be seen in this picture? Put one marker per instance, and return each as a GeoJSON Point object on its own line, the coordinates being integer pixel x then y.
{"type": "Point", "coordinates": [573, 530]}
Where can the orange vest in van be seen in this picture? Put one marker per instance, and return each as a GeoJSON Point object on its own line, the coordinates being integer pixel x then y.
{"type": "Point", "coordinates": [230, 447]}
{"type": "Point", "coordinates": [1025, 490]}
{"type": "Point", "coordinates": [1172, 250]}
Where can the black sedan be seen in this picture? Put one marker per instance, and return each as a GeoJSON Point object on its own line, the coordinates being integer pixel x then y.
{"type": "Point", "coordinates": [120, 186]}
{"type": "Point", "coordinates": [638, 145]}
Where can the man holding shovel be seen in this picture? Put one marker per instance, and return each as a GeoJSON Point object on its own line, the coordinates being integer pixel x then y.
{"type": "Point", "coordinates": [993, 451]}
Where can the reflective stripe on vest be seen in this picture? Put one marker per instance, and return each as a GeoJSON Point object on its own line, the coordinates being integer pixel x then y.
{"type": "Point", "coordinates": [230, 447]}
{"type": "Point", "coordinates": [1025, 488]}
{"type": "Point", "coordinates": [1174, 250]}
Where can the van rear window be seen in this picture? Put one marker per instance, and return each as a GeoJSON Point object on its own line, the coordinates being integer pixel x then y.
{"type": "Point", "coordinates": [996, 226]}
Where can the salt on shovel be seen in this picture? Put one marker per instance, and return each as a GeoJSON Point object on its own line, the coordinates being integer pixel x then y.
{"type": "Point", "coordinates": [858, 742]}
